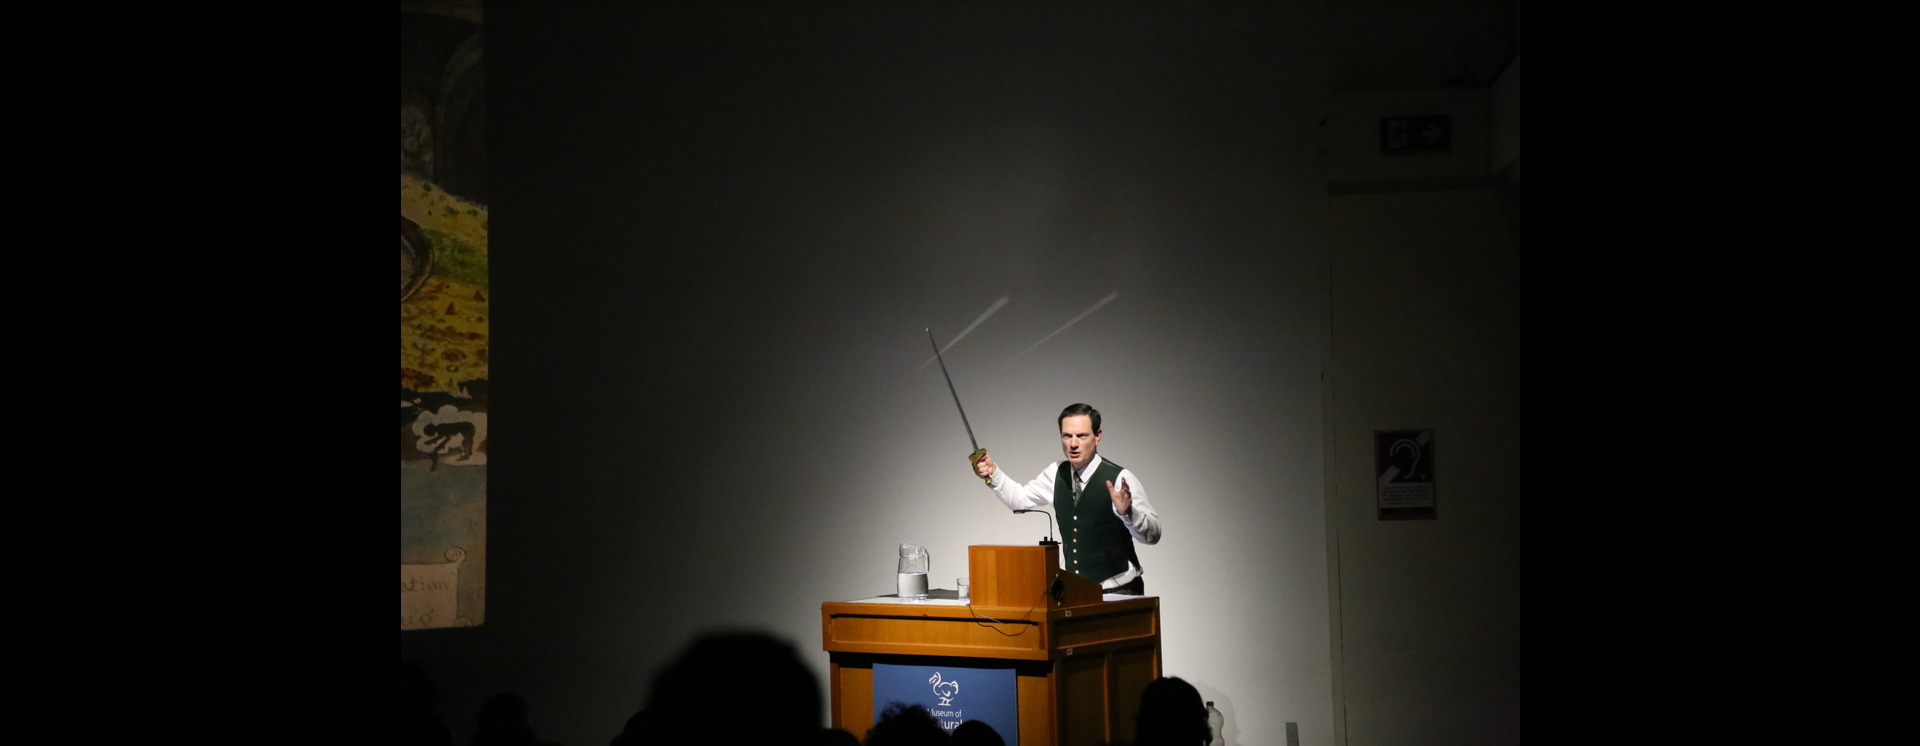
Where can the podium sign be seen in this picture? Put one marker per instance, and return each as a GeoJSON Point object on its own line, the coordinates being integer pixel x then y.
{"type": "Point", "coordinates": [953, 694]}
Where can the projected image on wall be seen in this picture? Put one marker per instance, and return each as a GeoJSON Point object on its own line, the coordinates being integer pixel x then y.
{"type": "Point", "coordinates": [444, 313]}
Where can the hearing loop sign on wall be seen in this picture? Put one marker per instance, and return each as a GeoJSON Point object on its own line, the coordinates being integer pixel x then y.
{"type": "Point", "coordinates": [1403, 470]}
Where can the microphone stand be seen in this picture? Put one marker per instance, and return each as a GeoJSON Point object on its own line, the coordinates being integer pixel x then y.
{"type": "Point", "coordinates": [1049, 540]}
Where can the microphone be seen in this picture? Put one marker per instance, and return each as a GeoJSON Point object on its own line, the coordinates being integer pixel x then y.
{"type": "Point", "coordinates": [1049, 540]}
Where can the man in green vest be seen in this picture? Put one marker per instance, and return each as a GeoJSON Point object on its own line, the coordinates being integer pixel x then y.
{"type": "Point", "coordinates": [1101, 505]}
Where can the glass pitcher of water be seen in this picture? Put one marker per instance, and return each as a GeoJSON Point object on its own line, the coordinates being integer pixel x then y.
{"type": "Point", "coordinates": [913, 571]}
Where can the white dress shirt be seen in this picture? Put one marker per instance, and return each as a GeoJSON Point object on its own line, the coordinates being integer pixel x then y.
{"type": "Point", "coordinates": [1144, 523]}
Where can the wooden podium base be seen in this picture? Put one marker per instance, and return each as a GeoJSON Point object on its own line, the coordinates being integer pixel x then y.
{"type": "Point", "coordinates": [1080, 663]}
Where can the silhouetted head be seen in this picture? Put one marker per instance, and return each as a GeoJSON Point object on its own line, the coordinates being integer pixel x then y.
{"type": "Point", "coordinates": [504, 710]}
{"type": "Point", "coordinates": [836, 737]}
{"type": "Point", "coordinates": [737, 687]}
{"type": "Point", "coordinates": [419, 724]}
{"type": "Point", "coordinates": [417, 692]}
{"type": "Point", "coordinates": [1171, 714]}
{"type": "Point", "coordinates": [977, 733]}
{"type": "Point", "coordinates": [639, 725]}
{"type": "Point", "coordinates": [906, 725]}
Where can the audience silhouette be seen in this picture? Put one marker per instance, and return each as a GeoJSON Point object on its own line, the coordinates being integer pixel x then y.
{"type": "Point", "coordinates": [1171, 714]}
{"type": "Point", "coordinates": [907, 725]}
{"type": "Point", "coordinates": [503, 721]}
{"type": "Point", "coordinates": [977, 733]}
{"type": "Point", "coordinates": [837, 737]}
{"type": "Point", "coordinates": [730, 687]}
{"type": "Point", "coordinates": [420, 725]}
{"type": "Point", "coordinates": [742, 687]}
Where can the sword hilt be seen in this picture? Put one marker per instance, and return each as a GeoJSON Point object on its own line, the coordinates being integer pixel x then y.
{"type": "Point", "coordinates": [974, 458]}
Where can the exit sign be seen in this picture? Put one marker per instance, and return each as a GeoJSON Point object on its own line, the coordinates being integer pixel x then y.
{"type": "Point", "coordinates": [1416, 134]}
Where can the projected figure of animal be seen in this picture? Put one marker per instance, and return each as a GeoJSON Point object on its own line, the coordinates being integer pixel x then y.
{"type": "Point", "coordinates": [945, 690]}
{"type": "Point", "coordinates": [440, 439]}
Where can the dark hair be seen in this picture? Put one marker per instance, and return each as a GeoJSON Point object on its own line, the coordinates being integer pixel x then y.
{"type": "Point", "coordinates": [902, 724]}
{"type": "Point", "coordinates": [1171, 712]}
{"type": "Point", "coordinates": [977, 733]}
{"type": "Point", "coordinates": [1075, 410]}
{"type": "Point", "coordinates": [697, 697]}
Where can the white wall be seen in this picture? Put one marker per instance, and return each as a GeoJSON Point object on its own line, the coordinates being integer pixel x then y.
{"type": "Point", "coordinates": [1424, 320]}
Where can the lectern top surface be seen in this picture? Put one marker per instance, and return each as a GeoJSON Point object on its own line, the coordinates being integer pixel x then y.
{"type": "Point", "coordinates": [939, 597]}
{"type": "Point", "coordinates": [928, 601]}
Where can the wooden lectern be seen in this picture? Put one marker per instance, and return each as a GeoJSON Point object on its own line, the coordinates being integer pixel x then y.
{"type": "Point", "coordinates": [1080, 662]}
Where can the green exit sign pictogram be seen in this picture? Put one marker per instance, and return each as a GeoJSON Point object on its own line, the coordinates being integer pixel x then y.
{"type": "Point", "coordinates": [1416, 134]}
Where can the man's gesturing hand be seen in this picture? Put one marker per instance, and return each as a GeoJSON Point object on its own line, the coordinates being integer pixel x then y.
{"type": "Point", "coordinates": [1122, 498]}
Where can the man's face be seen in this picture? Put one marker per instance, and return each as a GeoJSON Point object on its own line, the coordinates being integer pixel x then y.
{"type": "Point", "coordinates": [1078, 440]}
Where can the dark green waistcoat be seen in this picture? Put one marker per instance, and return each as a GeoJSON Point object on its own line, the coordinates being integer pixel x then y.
{"type": "Point", "coordinates": [1093, 541]}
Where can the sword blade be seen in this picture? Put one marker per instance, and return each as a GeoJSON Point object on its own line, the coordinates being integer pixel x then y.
{"type": "Point", "coordinates": [950, 389]}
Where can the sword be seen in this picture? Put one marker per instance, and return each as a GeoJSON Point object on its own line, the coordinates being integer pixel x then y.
{"type": "Point", "coordinates": [978, 452]}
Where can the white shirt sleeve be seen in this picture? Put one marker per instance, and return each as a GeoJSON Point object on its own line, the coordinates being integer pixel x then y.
{"type": "Point", "coordinates": [1035, 494]}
